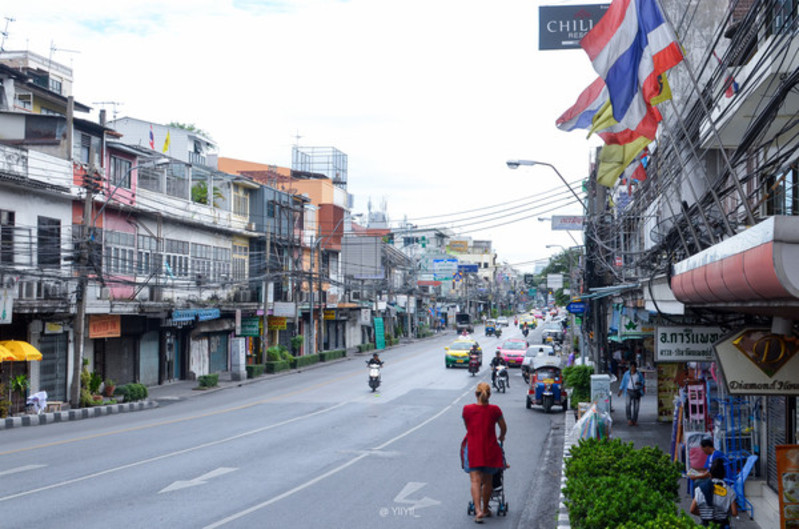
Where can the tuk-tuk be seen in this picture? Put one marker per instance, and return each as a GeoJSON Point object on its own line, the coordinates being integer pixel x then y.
{"type": "Point", "coordinates": [491, 327]}
{"type": "Point", "coordinates": [546, 385]}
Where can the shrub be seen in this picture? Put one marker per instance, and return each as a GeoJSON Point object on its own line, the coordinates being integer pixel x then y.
{"type": "Point", "coordinates": [664, 521]}
{"type": "Point", "coordinates": [277, 366]}
{"type": "Point", "coordinates": [326, 356]}
{"type": "Point", "coordinates": [302, 361]}
{"type": "Point", "coordinates": [255, 370]}
{"type": "Point", "coordinates": [95, 381]}
{"type": "Point", "coordinates": [364, 347]}
{"type": "Point", "coordinates": [208, 381]}
{"type": "Point", "coordinates": [296, 342]}
{"type": "Point", "coordinates": [610, 483]}
{"type": "Point", "coordinates": [132, 392]}
{"type": "Point", "coordinates": [578, 378]}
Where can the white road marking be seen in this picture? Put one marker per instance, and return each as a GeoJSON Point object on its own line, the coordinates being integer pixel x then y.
{"type": "Point", "coordinates": [20, 469]}
{"type": "Point", "coordinates": [170, 454]}
{"type": "Point", "coordinates": [202, 480]}
{"type": "Point", "coordinates": [409, 489]}
{"type": "Point", "coordinates": [334, 471]}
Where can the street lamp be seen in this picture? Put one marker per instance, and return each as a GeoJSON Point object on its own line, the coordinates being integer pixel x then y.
{"type": "Point", "coordinates": [314, 246]}
{"type": "Point", "coordinates": [514, 164]}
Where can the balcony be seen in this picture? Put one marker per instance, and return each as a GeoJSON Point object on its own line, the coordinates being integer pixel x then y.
{"type": "Point", "coordinates": [197, 159]}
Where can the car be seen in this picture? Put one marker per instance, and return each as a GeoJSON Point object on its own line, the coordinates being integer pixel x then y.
{"type": "Point", "coordinates": [502, 320]}
{"type": "Point", "coordinates": [552, 332]}
{"type": "Point", "coordinates": [512, 351]}
{"type": "Point", "coordinates": [533, 351]}
{"type": "Point", "coordinates": [457, 354]}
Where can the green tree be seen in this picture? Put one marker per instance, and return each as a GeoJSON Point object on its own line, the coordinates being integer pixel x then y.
{"type": "Point", "coordinates": [191, 127]}
{"type": "Point", "coordinates": [199, 194]}
{"type": "Point", "coordinates": [561, 264]}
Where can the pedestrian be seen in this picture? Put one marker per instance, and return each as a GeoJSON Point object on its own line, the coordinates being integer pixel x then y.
{"type": "Point", "coordinates": [481, 454]}
{"type": "Point", "coordinates": [709, 448]}
{"type": "Point", "coordinates": [571, 358]}
{"type": "Point", "coordinates": [633, 386]}
{"type": "Point", "coordinates": [617, 363]}
{"type": "Point", "coordinates": [713, 501]}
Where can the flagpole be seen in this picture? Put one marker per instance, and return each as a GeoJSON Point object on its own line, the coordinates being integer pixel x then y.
{"type": "Point", "coordinates": [749, 216]}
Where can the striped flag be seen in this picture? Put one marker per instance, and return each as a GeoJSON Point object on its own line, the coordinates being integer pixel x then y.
{"type": "Point", "coordinates": [152, 138]}
{"type": "Point", "coordinates": [630, 47]}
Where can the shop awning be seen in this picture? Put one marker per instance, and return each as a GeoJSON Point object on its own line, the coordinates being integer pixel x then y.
{"type": "Point", "coordinates": [21, 351]}
{"type": "Point", "coordinates": [754, 271]}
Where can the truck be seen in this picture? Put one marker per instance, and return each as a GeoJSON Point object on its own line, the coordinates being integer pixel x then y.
{"type": "Point", "coordinates": [463, 323]}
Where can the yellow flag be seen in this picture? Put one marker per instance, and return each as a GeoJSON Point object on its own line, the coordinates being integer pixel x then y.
{"type": "Point", "coordinates": [614, 159]}
{"type": "Point", "coordinates": [166, 143]}
{"type": "Point", "coordinates": [665, 91]}
{"type": "Point", "coordinates": [603, 119]}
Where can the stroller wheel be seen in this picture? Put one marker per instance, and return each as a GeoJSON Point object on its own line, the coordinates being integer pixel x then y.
{"type": "Point", "coordinates": [505, 510]}
{"type": "Point", "coordinates": [470, 509]}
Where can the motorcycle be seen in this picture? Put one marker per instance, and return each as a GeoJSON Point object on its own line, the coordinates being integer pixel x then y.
{"type": "Point", "coordinates": [525, 332]}
{"type": "Point", "coordinates": [501, 381]}
{"type": "Point", "coordinates": [374, 375]}
{"type": "Point", "coordinates": [498, 332]}
{"type": "Point", "coordinates": [474, 364]}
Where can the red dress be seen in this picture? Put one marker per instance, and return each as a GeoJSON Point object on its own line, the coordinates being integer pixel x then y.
{"type": "Point", "coordinates": [481, 435]}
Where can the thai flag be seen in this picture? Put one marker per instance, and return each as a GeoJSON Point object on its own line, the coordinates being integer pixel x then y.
{"type": "Point", "coordinates": [152, 138]}
{"type": "Point", "coordinates": [630, 47]}
{"type": "Point", "coordinates": [581, 114]}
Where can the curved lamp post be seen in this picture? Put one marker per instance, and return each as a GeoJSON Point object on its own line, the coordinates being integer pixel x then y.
{"type": "Point", "coordinates": [514, 164]}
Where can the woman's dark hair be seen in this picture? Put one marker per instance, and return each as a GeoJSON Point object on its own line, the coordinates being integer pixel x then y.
{"type": "Point", "coordinates": [706, 442]}
{"type": "Point", "coordinates": [717, 469]}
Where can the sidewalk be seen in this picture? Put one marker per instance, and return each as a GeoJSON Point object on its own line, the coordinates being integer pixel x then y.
{"type": "Point", "coordinates": [649, 432]}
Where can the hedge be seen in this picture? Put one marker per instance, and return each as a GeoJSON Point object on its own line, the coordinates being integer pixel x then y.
{"type": "Point", "coordinates": [302, 361]}
{"type": "Point", "coordinates": [277, 367]}
{"type": "Point", "coordinates": [255, 370]}
{"type": "Point", "coordinates": [208, 381]}
{"type": "Point", "coordinates": [132, 392]}
{"type": "Point", "coordinates": [362, 348]}
{"type": "Point", "coordinates": [326, 356]}
{"type": "Point", "coordinates": [611, 484]}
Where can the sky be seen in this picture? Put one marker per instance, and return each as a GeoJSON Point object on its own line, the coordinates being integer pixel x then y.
{"type": "Point", "coordinates": [428, 98]}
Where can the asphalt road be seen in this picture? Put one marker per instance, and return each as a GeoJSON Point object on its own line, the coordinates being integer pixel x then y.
{"type": "Point", "coordinates": [314, 449]}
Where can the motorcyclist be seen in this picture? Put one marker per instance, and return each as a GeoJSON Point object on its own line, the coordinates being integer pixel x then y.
{"type": "Point", "coordinates": [474, 356]}
{"type": "Point", "coordinates": [496, 362]}
{"type": "Point", "coordinates": [375, 361]}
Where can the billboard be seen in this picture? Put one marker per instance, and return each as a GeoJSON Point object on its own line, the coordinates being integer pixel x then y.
{"type": "Point", "coordinates": [562, 27]}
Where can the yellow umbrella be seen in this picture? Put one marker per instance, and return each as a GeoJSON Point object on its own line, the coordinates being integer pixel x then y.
{"type": "Point", "coordinates": [22, 351]}
{"type": "Point", "coordinates": [5, 354]}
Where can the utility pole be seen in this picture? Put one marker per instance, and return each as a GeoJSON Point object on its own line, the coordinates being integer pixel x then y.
{"type": "Point", "coordinates": [265, 291]}
{"type": "Point", "coordinates": [312, 341]}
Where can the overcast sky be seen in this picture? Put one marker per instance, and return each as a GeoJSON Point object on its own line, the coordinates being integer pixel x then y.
{"type": "Point", "coordinates": [428, 98]}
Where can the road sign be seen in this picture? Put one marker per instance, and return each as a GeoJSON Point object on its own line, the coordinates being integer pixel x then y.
{"type": "Point", "coordinates": [576, 307]}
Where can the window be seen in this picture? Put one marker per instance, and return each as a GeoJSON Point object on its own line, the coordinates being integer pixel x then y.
{"type": "Point", "coordinates": [781, 193]}
{"type": "Point", "coordinates": [48, 242]}
{"type": "Point", "coordinates": [176, 257]}
{"type": "Point", "coordinates": [23, 101]}
{"type": "Point", "coordinates": [6, 237]}
{"type": "Point", "coordinates": [120, 172]}
{"type": "Point", "coordinates": [241, 202]}
{"type": "Point", "coordinates": [240, 261]}
{"type": "Point", "coordinates": [55, 85]}
{"type": "Point", "coordinates": [119, 251]}
{"type": "Point", "coordinates": [221, 271]}
{"type": "Point", "coordinates": [147, 255]}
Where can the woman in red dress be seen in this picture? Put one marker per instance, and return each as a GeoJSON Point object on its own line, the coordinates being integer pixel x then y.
{"type": "Point", "coordinates": [482, 455]}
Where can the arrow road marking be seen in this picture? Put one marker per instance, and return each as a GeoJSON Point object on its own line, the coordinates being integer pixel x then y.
{"type": "Point", "coordinates": [20, 469]}
{"type": "Point", "coordinates": [202, 480]}
{"type": "Point", "coordinates": [409, 489]}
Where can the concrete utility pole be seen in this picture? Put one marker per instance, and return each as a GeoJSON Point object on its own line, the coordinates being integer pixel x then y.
{"type": "Point", "coordinates": [265, 291]}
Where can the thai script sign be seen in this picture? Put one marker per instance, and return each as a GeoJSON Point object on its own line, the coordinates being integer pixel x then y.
{"type": "Point", "coordinates": [686, 344]}
{"type": "Point", "coordinates": [757, 362]}
{"type": "Point", "coordinates": [276, 323]}
{"type": "Point", "coordinates": [284, 308]}
{"type": "Point", "coordinates": [250, 327]}
{"type": "Point", "coordinates": [562, 222]}
{"type": "Point", "coordinates": [195, 314]}
{"type": "Point", "coordinates": [105, 326]}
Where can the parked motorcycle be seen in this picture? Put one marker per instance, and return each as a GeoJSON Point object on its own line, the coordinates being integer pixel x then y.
{"type": "Point", "coordinates": [501, 381]}
{"type": "Point", "coordinates": [374, 375]}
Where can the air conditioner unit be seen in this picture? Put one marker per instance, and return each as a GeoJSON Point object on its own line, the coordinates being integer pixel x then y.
{"type": "Point", "coordinates": [251, 226]}
{"type": "Point", "coordinates": [52, 290]}
{"type": "Point", "coordinates": [27, 289]}
{"type": "Point", "coordinates": [105, 293]}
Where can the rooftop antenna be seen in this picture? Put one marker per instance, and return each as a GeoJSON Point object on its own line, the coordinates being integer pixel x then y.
{"type": "Point", "coordinates": [54, 49]}
{"type": "Point", "coordinates": [114, 105]}
{"type": "Point", "coordinates": [297, 138]}
{"type": "Point", "coordinates": [4, 34]}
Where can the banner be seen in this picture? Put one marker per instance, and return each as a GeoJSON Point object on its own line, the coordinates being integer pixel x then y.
{"type": "Point", "coordinates": [788, 480]}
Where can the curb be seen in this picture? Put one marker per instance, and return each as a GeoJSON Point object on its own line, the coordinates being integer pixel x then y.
{"type": "Point", "coordinates": [75, 415]}
{"type": "Point", "coordinates": [569, 440]}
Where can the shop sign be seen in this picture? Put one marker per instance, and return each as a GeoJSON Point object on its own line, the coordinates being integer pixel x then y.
{"type": "Point", "coordinates": [787, 457]}
{"type": "Point", "coordinates": [562, 27]}
{"type": "Point", "coordinates": [757, 362]}
{"type": "Point", "coordinates": [380, 337]}
{"type": "Point", "coordinates": [195, 314]}
{"type": "Point", "coordinates": [6, 305]}
{"type": "Point", "coordinates": [250, 327]}
{"type": "Point", "coordinates": [561, 222]}
{"type": "Point", "coordinates": [284, 308]}
{"type": "Point", "coordinates": [105, 326]}
{"type": "Point", "coordinates": [276, 323]}
{"type": "Point", "coordinates": [330, 314]}
{"type": "Point", "coordinates": [686, 344]}
{"type": "Point", "coordinates": [53, 328]}
{"type": "Point", "coordinates": [667, 390]}
{"type": "Point", "coordinates": [366, 316]}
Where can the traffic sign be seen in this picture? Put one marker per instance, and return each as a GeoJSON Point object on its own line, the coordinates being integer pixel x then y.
{"type": "Point", "coordinates": [576, 307]}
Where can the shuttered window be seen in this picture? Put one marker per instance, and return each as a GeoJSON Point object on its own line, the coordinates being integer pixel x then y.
{"type": "Point", "coordinates": [776, 435]}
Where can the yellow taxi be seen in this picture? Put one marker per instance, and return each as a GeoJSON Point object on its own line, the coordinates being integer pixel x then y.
{"type": "Point", "coordinates": [529, 320]}
{"type": "Point", "coordinates": [457, 354]}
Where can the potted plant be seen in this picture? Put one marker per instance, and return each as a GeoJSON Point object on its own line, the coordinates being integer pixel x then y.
{"type": "Point", "coordinates": [109, 387]}
{"type": "Point", "coordinates": [20, 385]}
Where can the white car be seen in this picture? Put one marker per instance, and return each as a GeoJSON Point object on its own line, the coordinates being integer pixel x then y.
{"type": "Point", "coordinates": [502, 320]}
{"type": "Point", "coordinates": [534, 351]}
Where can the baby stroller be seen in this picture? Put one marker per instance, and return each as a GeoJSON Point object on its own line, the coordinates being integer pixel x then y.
{"type": "Point", "coordinates": [498, 492]}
